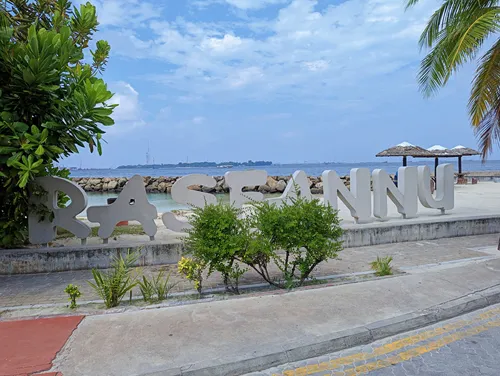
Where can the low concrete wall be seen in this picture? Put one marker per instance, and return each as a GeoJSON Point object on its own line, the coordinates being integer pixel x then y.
{"type": "Point", "coordinates": [385, 233]}
{"type": "Point", "coordinates": [44, 260]}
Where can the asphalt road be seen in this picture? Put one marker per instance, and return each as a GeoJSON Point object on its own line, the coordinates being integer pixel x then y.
{"type": "Point", "coordinates": [468, 345]}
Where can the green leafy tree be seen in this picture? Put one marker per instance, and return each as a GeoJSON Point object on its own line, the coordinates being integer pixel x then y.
{"type": "Point", "coordinates": [455, 33]}
{"type": "Point", "coordinates": [51, 100]}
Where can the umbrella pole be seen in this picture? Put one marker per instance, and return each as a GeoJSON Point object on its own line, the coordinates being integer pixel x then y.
{"type": "Point", "coordinates": [460, 165]}
{"type": "Point", "coordinates": [404, 161]}
{"type": "Point", "coordinates": [436, 163]}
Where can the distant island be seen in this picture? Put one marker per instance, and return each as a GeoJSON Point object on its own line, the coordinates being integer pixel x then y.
{"type": "Point", "coordinates": [199, 164]}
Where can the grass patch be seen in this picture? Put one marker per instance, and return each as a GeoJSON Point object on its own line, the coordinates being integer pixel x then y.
{"type": "Point", "coordinates": [119, 230]}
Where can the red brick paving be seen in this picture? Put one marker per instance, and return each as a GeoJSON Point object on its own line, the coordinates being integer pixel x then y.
{"type": "Point", "coordinates": [29, 346]}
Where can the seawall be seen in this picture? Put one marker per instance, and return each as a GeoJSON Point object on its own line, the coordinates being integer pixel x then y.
{"type": "Point", "coordinates": [163, 184]}
{"type": "Point", "coordinates": [275, 184]}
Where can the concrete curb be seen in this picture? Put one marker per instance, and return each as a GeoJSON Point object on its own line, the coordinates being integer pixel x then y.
{"type": "Point", "coordinates": [345, 339]}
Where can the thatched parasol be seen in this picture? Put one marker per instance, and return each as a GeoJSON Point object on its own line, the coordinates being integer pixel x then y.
{"type": "Point", "coordinates": [461, 151]}
{"type": "Point", "coordinates": [438, 151]}
{"type": "Point", "coordinates": [405, 149]}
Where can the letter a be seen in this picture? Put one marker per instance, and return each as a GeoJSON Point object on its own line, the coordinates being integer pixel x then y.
{"type": "Point", "coordinates": [131, 205]}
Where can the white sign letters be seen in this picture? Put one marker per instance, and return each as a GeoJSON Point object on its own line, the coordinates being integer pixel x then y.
{"type": "Point", "coordinates": [414, 184]}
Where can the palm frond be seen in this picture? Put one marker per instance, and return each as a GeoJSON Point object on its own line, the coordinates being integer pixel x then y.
{"type": "Point", "coordinates": [455, 45]}
{"type": "Point", "coordinates": [448, 14]}
{"type": "Point", "coordinates": [433, 72]}
{"type": "Point", "coordinates": [485, 86]}
{"type": "Point", "coordinates": [471, 32]}
{"type": "Point", "coordinates": [411, 3]}
{"type": "Point", "coordinates": [488, 130]}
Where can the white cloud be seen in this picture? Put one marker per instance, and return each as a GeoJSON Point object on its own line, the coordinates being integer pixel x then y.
{"type": "Point", "coordinates": [128, 114]}
{"type": "Point", "coordinates": [316, 66]}
{"type": "Point", "coordinates": [245, 76]}
{"type": "Point", "coordinates": [350, 42]}
{"type": "Point", "coordinates": [125, 12]}
{"type": "Point", "coordinates": [240, 4]}
{"type": "Point", "coordinates": [254, 4]}
{"type": "Point", "coordinates": [228, 42]}
{"type": "Point", "coordinates": [198, 120]}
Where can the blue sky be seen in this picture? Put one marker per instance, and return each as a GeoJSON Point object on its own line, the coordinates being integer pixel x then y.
{"type": "Point", "coordinates": [281, 80]}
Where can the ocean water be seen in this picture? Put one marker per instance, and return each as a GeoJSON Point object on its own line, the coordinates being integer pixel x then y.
{"type": "Point", "coordinates": [313, 169]}
{"type": "Point", "coordinates": [164, 202]}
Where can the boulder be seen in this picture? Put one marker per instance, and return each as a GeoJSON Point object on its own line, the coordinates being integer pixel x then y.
{"type": "Point", "coordinates": [94, 181]}
{"type": "Point", "coordinates": [264, 188]}
{"type": "Point", "coordinates": [195, 187]}
{"type": "Point", "coordinates": [207, 189]}
{"type": "Point", "coordinates": [272, 184]}
{"type": "Point", "coordinates": [162, 187]}
{"type": "Point", "coordinates": [280, 187]}
{"type": "Point", "coordinates": [316, 191]}
{"type": "Point", "coordinates": [112, 185]}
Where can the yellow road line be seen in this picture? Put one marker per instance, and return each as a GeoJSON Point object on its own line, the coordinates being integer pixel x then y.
{"type": "Point", "coordinates": [388, 348]}
{"type": "Point", "coordinates": [407, 355]}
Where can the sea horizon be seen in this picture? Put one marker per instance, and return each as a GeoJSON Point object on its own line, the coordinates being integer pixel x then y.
{"type": "Point", "coordinates": [282, 169]}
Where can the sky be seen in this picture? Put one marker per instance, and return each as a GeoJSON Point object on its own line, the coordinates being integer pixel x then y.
{"type": "Point", "coordinates": [282, 80]}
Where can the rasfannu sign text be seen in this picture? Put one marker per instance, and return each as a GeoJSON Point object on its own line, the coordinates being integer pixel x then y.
{"type": "Point", "coordinates": [132, 203]}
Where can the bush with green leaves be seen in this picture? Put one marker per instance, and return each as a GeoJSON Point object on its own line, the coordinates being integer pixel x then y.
{"type": "Point", "coordinates": [193, 270]}
{"type": "Point", "coordinates": [382, 266]}
{"type": "Point", "coordinates": [217, 239]}
{"type": "Point", "coordinates": [157, 288]}
{"type": "Point", "coordinates": [51, 101]}
{"type": "Point", "coordinates": [74, 293]}
{"type": "Point", "coordinates": [113, 284]}
{"type": "Point", "coordinates": [297, 235]}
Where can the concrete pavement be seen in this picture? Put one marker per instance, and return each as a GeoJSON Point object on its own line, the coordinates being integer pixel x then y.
{"type": "Point", "coordinates": [249, 334]}
{"type": "Point", "coordinates": [464, 346]}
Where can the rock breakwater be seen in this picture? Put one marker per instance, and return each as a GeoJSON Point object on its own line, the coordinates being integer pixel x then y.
{"type": "Point", "coordinates": [163, 184]}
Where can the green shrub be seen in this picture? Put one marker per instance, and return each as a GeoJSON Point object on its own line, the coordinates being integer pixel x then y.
{"type": "Point", "coordinates": [297, 236]}
{"type": "Point", "coordinates": [193, 270]}
{"type": "Point", "coordinates": [74, 292]}
{"type": "Point", "coordinates": [112, 285]}
{"type": "Point", "coordinates": [147, 289]}
{"type": "Point", "coordinates": [217, 239]}
{"type": "Point", "coordinates": [158, 286]}
{"type": "Point", "coordinates": [382, 266]}
{"type": "Point", "coordinates": [51, 100]}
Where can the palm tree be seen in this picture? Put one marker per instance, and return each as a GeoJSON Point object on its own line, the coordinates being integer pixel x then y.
{"type": "Point", "coordinates": [455, 33]}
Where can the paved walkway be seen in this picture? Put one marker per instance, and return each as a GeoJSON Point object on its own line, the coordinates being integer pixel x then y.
{"type": "Point", "coordinates": [25, 290]}
{"type": "Point", "coordinates": [231, 336]}
{"type": "Point", "coordinates": [464, 346]}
